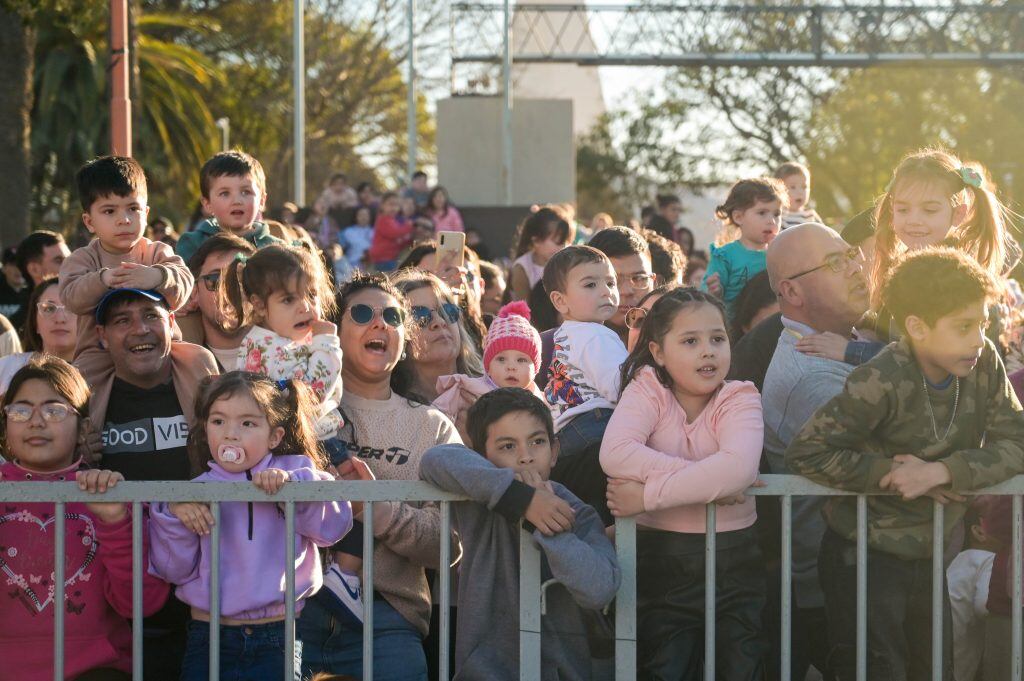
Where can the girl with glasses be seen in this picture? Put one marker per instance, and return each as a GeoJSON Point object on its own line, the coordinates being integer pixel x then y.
{"type": "Point", "coordinates": [42, 432]}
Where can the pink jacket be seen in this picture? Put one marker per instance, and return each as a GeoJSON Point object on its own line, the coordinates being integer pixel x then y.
{"type": "Point", "coordinates": [448, 222]}
{"type": "Point", "coordinates": [686, 465]}
{"type": "Point", "coordinates": [98, 586]}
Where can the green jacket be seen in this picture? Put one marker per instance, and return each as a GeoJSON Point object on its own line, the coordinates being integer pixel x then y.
{"type": "Point", "coordinates": [189, 242]}
{"type": "Point", "coordinates": [883, 411]}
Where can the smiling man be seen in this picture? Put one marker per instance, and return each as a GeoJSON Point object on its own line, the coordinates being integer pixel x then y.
{"type": "Point", "coordinates": [145, 408]}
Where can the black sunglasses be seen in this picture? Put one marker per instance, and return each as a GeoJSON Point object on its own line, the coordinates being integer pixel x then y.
{"type": "Point", "coordinates": [211, 280]}
{"type": "Point", "coordinates": [363, 314]}
{"type": "Point", "coordinates": [447, 312]}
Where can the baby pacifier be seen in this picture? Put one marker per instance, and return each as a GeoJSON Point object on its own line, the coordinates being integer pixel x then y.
{"type": "Point", "coordinates": [231, 454]}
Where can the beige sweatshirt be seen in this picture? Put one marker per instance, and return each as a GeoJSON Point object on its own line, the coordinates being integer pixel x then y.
{"type": "Point", "coordinates": [391, 436]}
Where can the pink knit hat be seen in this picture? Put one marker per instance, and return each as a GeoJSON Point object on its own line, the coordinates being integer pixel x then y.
{"type": "Point", "coordinates": [511, 330]}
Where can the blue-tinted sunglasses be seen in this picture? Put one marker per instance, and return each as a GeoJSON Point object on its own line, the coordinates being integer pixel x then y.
{"type": "Point", "coordinates": [448, 313]}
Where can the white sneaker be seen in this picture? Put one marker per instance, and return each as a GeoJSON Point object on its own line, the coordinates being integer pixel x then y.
{"type": "Point", "coordinates": [344, 595]}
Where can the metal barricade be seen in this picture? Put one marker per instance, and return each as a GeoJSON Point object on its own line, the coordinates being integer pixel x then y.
{"type": "Point", "coordinates": [783, 486]}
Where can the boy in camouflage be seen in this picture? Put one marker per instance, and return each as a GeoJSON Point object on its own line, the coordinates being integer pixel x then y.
{"type": "Point", "coordinates": [931, 415]}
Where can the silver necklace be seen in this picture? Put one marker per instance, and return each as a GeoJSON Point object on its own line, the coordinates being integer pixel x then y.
{"type": "Point", "coordinates": [931, 414]}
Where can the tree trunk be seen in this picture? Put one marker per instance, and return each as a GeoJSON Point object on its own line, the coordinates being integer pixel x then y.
{"type": "Point", "coordinates": [134, 79]}
{"type": "Point", "coordinates": [17, 43]}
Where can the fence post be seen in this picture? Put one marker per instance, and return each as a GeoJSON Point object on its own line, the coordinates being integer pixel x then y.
{"type": "Point", "coordinates": [529, 608]}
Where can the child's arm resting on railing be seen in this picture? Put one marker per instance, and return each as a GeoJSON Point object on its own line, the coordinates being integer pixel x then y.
{"type": "Point", "coordinates": [831, 447]}
{"type": "Point", "coordinates": [114, 536]}
{"type": "Point", "coordinates": [583, 560]}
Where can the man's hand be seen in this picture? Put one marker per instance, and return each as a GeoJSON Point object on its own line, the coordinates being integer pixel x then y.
{"type": "Point", "coordinates": [827, 345]}
{"type": "Point", "coordinates": [195, 516]}
{"type": "Point", "coordinates": [913, 478]}
{"type": "Point", "coordinates": [549, 513]}
{"type": "Point", "coordinates": [270, 480]}
{"type": "Point", "coordinates": [133, 275]}
{"type": "Point", "coordinates": [98, 482]}
{"type": "Point", "coordinates": [625, 497]}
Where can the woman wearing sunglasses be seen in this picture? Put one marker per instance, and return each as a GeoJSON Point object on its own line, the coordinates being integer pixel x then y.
{"type": "Point", "coordinates": [385, 435]}
{"type": "Point", "coordinates": [49, 328]}
{"type": "Point", "coordinates": [439, 343]}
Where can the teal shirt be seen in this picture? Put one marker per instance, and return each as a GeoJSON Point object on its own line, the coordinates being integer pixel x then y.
{"type": "Point", "coordinates": [189, 242]}
{"type": "Point", "coordinates": [735, 264]}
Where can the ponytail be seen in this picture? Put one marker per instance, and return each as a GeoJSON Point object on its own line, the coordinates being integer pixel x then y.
{"type": "Point", "coordinates": [232, 298]}
{"type": "Point", "coordinates": [299, 431]}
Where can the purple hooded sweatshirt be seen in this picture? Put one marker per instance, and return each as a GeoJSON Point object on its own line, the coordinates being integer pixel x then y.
{"type": "Point", "coordinates": [252, 548]}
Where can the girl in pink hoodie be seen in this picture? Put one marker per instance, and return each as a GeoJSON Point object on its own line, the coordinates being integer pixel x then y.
{"type": "Point", "coordinates": [682, 437]}
{"type": "Point", "coordinates": [245, 423]}
{"type": "Point", "coordinates": [43, 423]}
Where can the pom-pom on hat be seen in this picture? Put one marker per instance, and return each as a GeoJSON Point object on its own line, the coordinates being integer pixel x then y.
{"type": "Point", "coordinates": [511, 330]}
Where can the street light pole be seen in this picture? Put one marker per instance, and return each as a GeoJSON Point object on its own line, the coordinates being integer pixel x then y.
{"type": "Point", "coordinates": [120, 100]}
{"type": "Point", "coordinates": [299, 88]}
{"type": "Point", "coordinates": [411, 105]}
{"type": "Point", "coordinates": [506, 112]}
{"type": "Point", "coordinates": [225, 133]}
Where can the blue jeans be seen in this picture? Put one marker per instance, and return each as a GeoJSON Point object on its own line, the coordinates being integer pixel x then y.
{"type": "Point", "coordinates": [583, 431]}
{"type": "Point", "coordinates": [330, 646]}
{"type": "Point", "coordinates": [247, 653]}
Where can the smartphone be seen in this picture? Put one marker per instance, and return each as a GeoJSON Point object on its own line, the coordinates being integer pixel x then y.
{"type": "Point", "coordinates": [450, 250]}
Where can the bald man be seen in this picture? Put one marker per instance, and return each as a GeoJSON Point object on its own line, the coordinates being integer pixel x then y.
{"type": "Point", "coordinates": [823, 292]}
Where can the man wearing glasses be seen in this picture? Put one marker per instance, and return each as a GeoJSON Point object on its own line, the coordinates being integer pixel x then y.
{"type": "Point", "coordinates": [207, 327]}
{"type": "Point", "coordinates": [631, 259]}
{"type": "Point", "coordinates": [822, 287]}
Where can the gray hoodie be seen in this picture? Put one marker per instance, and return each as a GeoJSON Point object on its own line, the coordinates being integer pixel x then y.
{"type": "Point", "coordinates": [582, 561]}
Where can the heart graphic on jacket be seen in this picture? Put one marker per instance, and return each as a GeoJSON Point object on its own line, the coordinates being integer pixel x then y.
{"type": "Point", "coordinates": [28, 569]}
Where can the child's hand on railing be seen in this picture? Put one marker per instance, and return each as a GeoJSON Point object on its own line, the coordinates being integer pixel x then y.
{"type": "Point", "coordinates": [193, 515]}
{"type": "Point", "coordinates": [270, 480]}
{"type": "Point", "coordinates": [625, 497]}
{"type": "Point", "coordinates": [98, 482]}
{"type": "Point", "coordinates": [549, 513]}
{"type": "Point", "coordinates": [913, 477]}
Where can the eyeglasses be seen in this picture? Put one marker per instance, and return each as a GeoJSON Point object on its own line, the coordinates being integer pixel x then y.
{"type": "Point", "coordinates": [363, 314]}
{"type": "Point", "coordinates": [211, 281]}
{"type": "Point", "coordinates": [635, 317]}
{"type": "Point", "coordinates": [52, 412]}
{"type": "Point", "coordinates": [49, 309]}
{"type": "Point", "coordinates": [448, 313]}
{"type": "Point", "coordinates": [641, 281]}
{"type": "Point", "coordinates": [838, 262]}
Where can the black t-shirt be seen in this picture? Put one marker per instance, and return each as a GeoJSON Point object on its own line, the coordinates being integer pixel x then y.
{"type": "Point", "coordinates": [12, 303]}
{"type": "Point", "coordinates": [144, 433]}
{"type": "Point", "coordinates": [752, 355]}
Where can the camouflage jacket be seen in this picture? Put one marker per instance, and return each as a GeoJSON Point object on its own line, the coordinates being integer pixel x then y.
{"type": "Point", "coordinates": [883, 411]}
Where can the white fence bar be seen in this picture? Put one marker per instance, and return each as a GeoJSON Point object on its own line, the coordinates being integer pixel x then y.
{"type": "Point", "coordinates": [1018, 521]}
{"type": "Point", "coordinates": [138, 569]}
{"type": "Point", "coordinates": [368, 599]}
{"type": "Point", "coordinates": [785, 653]}
{"type": "Point", "coordinates": [58, 592]}
{"type": "Point", "coordinates": [709, 594]}
{"type": "Point", "coordinates": [862, 588]}
{"type": "Point", "coordinates": [215, 592]}
{"type": "Point", "coordinates": [938, 584]}
{"type": "Point", "coordinates": [444, 575]}
{"type": "Point", "coordinates": [529, 608]}
{"type": "Point", "coordinates": [289, 590]}
{"type": "Point", "coordinates": [625, 600]}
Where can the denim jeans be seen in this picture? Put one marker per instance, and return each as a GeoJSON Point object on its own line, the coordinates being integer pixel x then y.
{"type": "Point", "coordinates": [247, 653]}
{"type": "Point", "coordinates": [670, 606]}
{"type": "Point", "coordinates": [899, 612]}
{"type": "Point", "coordinates": [332, 647]}
{"type": "Point", "coordinates": [582, 432]}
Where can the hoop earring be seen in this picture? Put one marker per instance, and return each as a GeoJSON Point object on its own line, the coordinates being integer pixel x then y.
{"type": "Point", "coordinates": [402, 358]}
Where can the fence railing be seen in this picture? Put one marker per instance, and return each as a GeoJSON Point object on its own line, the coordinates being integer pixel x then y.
{"type": "Point", "coordinates": [530, 598]}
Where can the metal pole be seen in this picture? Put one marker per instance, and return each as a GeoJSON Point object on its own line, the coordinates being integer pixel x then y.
{"type": "Point", "coordinates": [299, 88]}
{"type": "Point", "coordinates": [506, 118]}
{"type": "Point", "coordinates": [225, 133]}
{"type": "Point", "coordinates": [411, 106]}
{"type": "Point", "coordinates": [120, 100]}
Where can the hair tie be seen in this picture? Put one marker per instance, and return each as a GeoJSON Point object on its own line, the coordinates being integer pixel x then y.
{"type": "Point", "coordinates": [241, 257]}
{"type": "Point", "coordinates": [970, 177]}
{"type": "Point", "coordinates": [282, 385]}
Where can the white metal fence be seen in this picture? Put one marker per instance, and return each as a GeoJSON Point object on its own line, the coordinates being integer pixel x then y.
{"type": "Point", "coordinates": [784, 486]}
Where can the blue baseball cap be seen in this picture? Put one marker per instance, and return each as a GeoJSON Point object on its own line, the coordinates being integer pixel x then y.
{"type": "Point", "coordinates": [115, 293]}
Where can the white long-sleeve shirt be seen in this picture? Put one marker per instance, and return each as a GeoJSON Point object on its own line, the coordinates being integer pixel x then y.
{"type": "Point", "coordinates": [584, 371]}
{"type": "Point", "coordinates": [968, 576]}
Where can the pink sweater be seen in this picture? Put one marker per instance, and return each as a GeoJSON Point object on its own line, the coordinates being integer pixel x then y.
{"type": "Point", "coordinates": [686, 465]}
{"type": "Point", "coordinates": [98, 591]}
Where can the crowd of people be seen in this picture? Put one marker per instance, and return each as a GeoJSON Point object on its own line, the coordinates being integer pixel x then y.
{"type": "Point", "coordinates": [600, 371]}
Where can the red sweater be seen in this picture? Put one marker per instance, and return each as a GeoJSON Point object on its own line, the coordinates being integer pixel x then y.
{"type": "Point", "coordinates": [389, 238]}
{"type": "Point", "coordinates": [98, 587]}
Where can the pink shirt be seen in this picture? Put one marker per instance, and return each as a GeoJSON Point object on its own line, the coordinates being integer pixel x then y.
{"type": "Point", "coordinates": [686, 465]}
{"type": "Point", "coordinates": [450, 221]}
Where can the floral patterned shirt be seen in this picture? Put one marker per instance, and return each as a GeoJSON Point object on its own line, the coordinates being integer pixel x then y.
{"type": "Point", "coordinates": [316, 361]}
